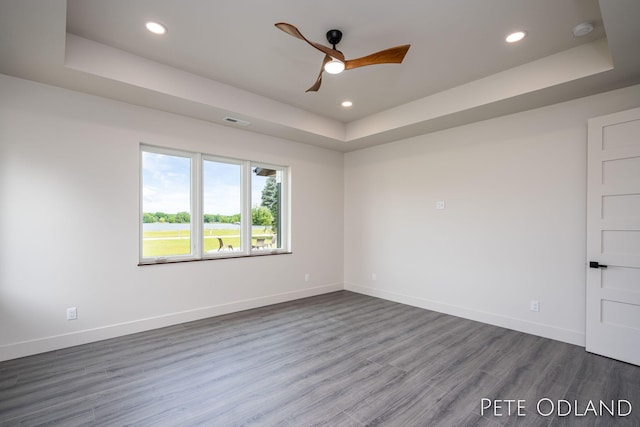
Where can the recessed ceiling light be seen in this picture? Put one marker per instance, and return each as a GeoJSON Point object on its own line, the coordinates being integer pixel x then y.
{"type": "Point", "coordinates": [155, 27]}
{"type": "Point", "coordinates": [515, 37]}
{"type": "Point", "coordinates": [347, 104]}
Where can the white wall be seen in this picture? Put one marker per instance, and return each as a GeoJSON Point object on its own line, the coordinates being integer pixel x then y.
{"type": "Point", "coordinates": [514, 225]}
{"type": "Point", "coordinates": [69, 198]}
{"type": "Point", "coordinates": [513, 228]}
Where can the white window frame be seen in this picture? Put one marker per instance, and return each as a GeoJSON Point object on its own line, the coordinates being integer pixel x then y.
{"type": "Point", "coordinates": [197, 214]}
{"type": "Point", "coordinates": [244, 165]}
{"type": "Point", "coordinates": [284, 207]}
{"type": "Point", "coordinates": [193, 205]}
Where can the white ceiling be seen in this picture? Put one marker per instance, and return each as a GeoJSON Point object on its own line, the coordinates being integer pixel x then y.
{"type": "Point", "coordinates": [225, 58]}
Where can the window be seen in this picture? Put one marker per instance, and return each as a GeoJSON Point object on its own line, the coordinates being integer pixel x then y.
{"type": "Point", "coordinates": [266, 201]}
{"type": "Point", "coordinates": [198, 206]}
{"type": "Point", "coordinates": [222, 206]}
{"type": "Point", "coordinates": [167, 204]}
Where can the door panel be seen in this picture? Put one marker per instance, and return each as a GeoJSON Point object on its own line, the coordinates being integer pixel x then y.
{"type": "Point", "coordinates": [623, 278]}
{"type": "Point", "coordinates": [613, 236]}
{"type": "Point", "coordinates": [621, 206]}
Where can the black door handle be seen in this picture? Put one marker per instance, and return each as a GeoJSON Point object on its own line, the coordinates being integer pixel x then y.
{"type": "Point", "coordinates": [594, 264]}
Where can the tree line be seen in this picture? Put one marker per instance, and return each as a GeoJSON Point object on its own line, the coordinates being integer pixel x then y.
{"type": "Point", "coordinates": [259, 216]}
{"type": "Point", "coordinates": [177, 218]}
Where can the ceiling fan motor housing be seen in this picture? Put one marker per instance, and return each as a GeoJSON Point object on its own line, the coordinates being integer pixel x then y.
{"type": "Point", "coordinates": [334, 37]}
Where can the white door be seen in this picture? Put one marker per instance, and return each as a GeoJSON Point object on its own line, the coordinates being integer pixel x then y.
{"type": "Point", "coordinates": [613, 236]}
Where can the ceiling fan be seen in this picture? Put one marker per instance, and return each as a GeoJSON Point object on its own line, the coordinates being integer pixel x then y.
{"type": "Point", "coordinates": [334, 61]}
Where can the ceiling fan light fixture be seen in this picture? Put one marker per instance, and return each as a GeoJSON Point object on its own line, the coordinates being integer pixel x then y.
{"type": "Point", "coordinates": [334, 66]}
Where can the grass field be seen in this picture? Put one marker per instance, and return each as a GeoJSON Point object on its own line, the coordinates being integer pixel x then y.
{"type": "Point", "coordinates": [178, 242]}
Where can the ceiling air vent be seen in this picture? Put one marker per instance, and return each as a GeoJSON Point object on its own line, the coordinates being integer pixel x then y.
{"type": "Point", "coordinates": [235, 121]}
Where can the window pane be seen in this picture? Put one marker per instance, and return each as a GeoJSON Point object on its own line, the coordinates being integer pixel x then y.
{"type": "Point", "coordinates": [266, 185]}
{"type": "Point", "coordinates": [166, 205]}
{"type": "Point", "coordinates": [222, 205]}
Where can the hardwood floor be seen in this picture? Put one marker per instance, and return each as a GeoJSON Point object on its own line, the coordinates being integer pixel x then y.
{"type": "Point", "coordinates": [340, 359]}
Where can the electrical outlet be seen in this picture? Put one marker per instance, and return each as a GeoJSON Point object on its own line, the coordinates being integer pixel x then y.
{"type": "Point", "coordinates": [440, 205]}
{"type": "Point", "coordinates": [72, 313]}
{"type": "Point", "coordinates": [534, 305]}
{"type": "Point", "coordinates": [374, 276]}
{"type": "Point", "coordinates": [307, 277]}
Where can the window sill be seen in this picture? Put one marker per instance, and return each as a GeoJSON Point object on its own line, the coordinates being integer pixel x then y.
{"type": "Point", "coordinates": [177, 261]}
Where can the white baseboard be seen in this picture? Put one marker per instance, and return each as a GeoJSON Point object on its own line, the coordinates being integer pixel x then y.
{"type": "Point", "coordinates": [539, 329]}
{"type": "Point", "coordinates": [42, 345]}
{"type": "Point", "coordinates": [27, 348]}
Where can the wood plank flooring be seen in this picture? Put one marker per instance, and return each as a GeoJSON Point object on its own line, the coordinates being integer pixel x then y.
{"type": "Point", "coordinates": [340, 359]}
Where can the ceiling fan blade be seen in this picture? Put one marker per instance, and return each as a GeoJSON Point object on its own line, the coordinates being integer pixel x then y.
{"type": "Point", "coordinates": [394, 55]}
{"type": "Point", "coordinates": [293, 31]}
{"type": "Point", "coordinates": [316, 85]}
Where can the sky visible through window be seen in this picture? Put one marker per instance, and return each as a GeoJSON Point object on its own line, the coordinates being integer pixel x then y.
{"type": "Point", "coordinates": [221, 189]}
{"type": "Point", "coordinates": [167, 182]}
